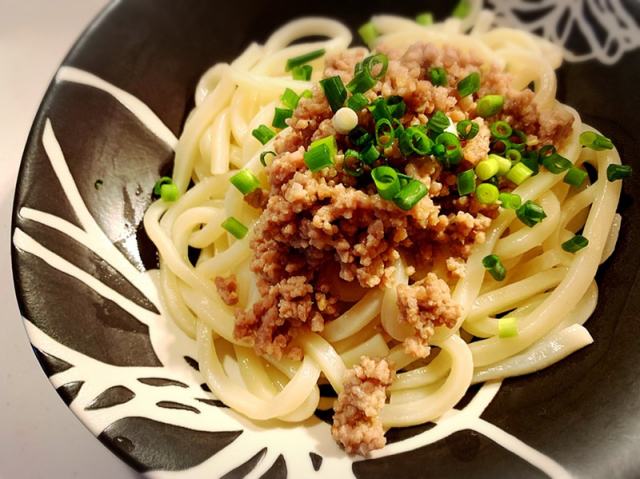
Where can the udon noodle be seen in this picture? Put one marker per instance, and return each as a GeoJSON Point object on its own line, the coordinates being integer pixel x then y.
{"type": "Point", "coordinates": [550, 291]}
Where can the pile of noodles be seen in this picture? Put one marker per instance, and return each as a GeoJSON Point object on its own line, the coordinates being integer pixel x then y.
{"type": "Point", "coordinates": [550, 291]}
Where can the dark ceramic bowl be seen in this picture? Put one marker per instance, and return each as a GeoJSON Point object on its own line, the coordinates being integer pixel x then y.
{"type": "Point", "coordinates": [81, 257]}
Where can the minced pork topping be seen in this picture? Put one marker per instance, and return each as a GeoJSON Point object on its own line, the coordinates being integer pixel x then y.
{"type": "Point", "coordinates": [316, 225]}
{"type": "Point", "coordinates": [424, 305]}
{"type": "Point", "coordinates": [355, 421]}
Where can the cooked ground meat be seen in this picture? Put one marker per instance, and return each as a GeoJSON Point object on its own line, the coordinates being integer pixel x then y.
{"type": "Point", "coordinates": [355, 422]}
{"type": "Point", "coordinates": [407, 76]}
{"type": "Point", "coordinates": [457, 267]}
{"type": "Point", "coordinates": [257, 198]}
{"type": "Point", "coordinates": [477, 148]}
{"type": "Point", "coordinates": [329, 221]}
{"type": "Point", "coordinates": [425, 305]}
{"type": "Point", "coordinates": [227, 289]}
{"type": "Point", "coordinates": [343, 63]}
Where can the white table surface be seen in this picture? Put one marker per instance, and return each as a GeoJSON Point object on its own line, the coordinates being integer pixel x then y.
{"type": "Point", "coordinates": [39, 436]}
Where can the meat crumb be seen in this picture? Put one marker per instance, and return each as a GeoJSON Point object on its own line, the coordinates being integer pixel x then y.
{"type": "Point", "coordinates": [425, 305]}
{"type": "Point", "coordinates": [227, 289]}
{"type": "Point", "coordinates": [257, 198]}
{"type": "Point", "coordinates": [457, 267]}
{"type": "Point", "coordinates": [477, 149]}
{"type": "Point", "coordinates": [356, 425]}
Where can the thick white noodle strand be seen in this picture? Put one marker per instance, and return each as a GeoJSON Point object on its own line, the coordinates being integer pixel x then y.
{"type": "Point", "coordinates": [434, 406]}
{"type": "Point", "coordinates": [574, 284]}
{"type": "Point", "coordinates": [356, 318]}
{"type": "Point", "coordinates": [339, 34]}
{"type": "Point", "coordinates": [286, 401]}
{"type": "Point", "coordinates": [563, 340]}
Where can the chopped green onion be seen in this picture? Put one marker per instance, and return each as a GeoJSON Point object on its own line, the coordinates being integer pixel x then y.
{"type": "Point", "coordinates": [410, 195]}
{"type": "Point", "coordinates": [438, 76]}
{"type": "Point", "coordinates": [362, 82]}
{"type": "Point", "coordinates": [234, 227]}
{"type": "Point", "coordinates": [359, 136]}
{"type": "Point", "coordinates": [493, 181]}
{"type": "Point", "coordinates": [495, 267]}
{"type": "Point", "coordinates": [469, 85]}
{"type": "Point", "coordinates": [500, 147]}
{"type": "Point", "coordinates": [518, 173]}
{"type": "Point", "coordinates": [396, 105]}
{"type": "Point", "coordinates": [368, 32]}
{"type": "Point", "coordinates": [501, 130]}
{"type": "Point", "coordinates": [453, 150]}
{"type": "Point", "coordinates": [489, 105]}
{"type": "Point", "coordinates": [357, 102]}
{"type": "Point", "coordinates": [414, 140]}
{"type": "Point", "coordinates": [370, 154]}
{"type": "Point", "coordinates": [530, 213]}
{"type": "Point", "coordinates": [303, 59]}
{"type": "Point", "coordinates": [384, 128]}
{"type": "Point", "coordinates": [280, 116]}
{"type": "Point", "coordinates": [510, 201]}
{"type": "Point", "coordinates": [335, 92]}
{"type": "Point", "coordinates": [306, 94]}
{"type": "Point", "coordinates": [486, 193]}
{"type": "Point", "coordinates": [508, 327]}
{"type": "Point", "coordinates": [302, 73]}
{"type": "Point", "coordinates": [530, 159]}
{"type": "Point", "coordinates": [575, 177]}
{"type": "Point", "coordinates": [513, 156]}
{"type": "Point", "coordinates": [439, 151]}
{"type": "Point", "coordinates": [169, 193]}
{"type": "Point", "coordinates": [575, 244]}
{"type": "Point", "coordinates": [345, 164]}
{"type": "Point", "coordinates": [504, 165]}
{"type": "Point", "coordinates": [618, 172]}
{"type": "Point", "coordinates": [165, 180]}
{"type": "Point", "coordinates": [438, 122]}
{"type": "Point", "coordinates": [425, 19]}
{"type": "Point", "coordinates": [596, 142]}
{"type": "Point", "coordinates": [466, 182]}
{"type": "Point", "coordinates": [263, 134]}
{"type": "Point", "coordinates": [245, 181]}
{"type": "Point", "coordinates": [404, 179]}
{"type": "Point", "coordinates": [318, 158]}
{"type": "Point", "coordinates": [380, 110]}
{"type": "Point", "coordinates": [467, 129]}
{"type": "Point", "coordinates": [546, 151]}
{"type": "Point", "coordinates": [555, 163]}
{"type": "Point", "coordinates": [386, 181]}
{"type": "Point", "coordinates": [290, 99]}
{"type": "Point", "coordinates": [378, 59]}
{"type": "Point", "coordinates": [462, 10]}
{"type": "Point", "coordinates": [518, 140]}
{"type": "Point", "coordinates": [263, 156]}
{"type": "Point", "coordinates": [488, 168]}
{"type": "Point", "coordinates": [98, 184]}
{"type": "Point", "coordinates": [329, 141]}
